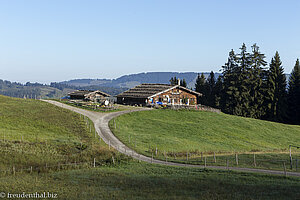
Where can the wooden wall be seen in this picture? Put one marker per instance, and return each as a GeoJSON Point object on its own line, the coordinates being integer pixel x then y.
{"type": "Point", "coordinates": [176, 96]}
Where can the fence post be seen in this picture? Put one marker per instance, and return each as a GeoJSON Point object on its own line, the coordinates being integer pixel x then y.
{"type": "Point", "coordinates": [284, 168]}
{"type": "Point", "coordinates": [205, 161]}
{"type": "Point", "coordinates": [152, 158]}
{"type": "Point", "coordinates": [156, 151]}
{"type": "Point", "coordinates": [14, 170]}
{"type": "Point", "coordinates": [201, 156]}
{"type": "Point", "coordinates": [254, 160]}
{"type": "Point", "coordinates": [236, 159]}
{"type": "Point", "coordinates": [94, 162]}
{"type": "Point", "coordinates": [215, 157]}
{"type": "Point", "coordinates": [296, 164]}
{"type": "Point", "coordinates": [227, 163]}
{"type": "Point", "coordinates": [113, 159]}
{"type": "Point", "coordinates": [291, 160]}
{"type": "Point", "coordinates": [30, 169]}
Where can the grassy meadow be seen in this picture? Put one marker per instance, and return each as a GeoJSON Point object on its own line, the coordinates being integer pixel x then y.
{"type": "Point", "coordinates": [37, 134]}
{"type": "Point", "coordinates": [42, 136]}
{"type": "Point", "coordinates": [181, 132]}
{"type": "Point", "coordinates": [135, 180]}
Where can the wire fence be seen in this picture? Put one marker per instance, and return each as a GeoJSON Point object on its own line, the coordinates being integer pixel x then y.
{"type": "Point", "coordinates": [60, 166]}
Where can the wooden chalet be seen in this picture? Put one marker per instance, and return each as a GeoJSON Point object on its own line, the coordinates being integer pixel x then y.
{"type": "Point", "coordinates": [88, 95]}
{"type": "Point", "coordinates": [79, 94]}
{"type": "Point", "coordinates": [163, 94]}
{"type": "Point", "coordinates": [97, 96]}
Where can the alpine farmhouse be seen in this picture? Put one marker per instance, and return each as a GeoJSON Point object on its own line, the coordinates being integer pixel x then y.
{"type": "Point", "coordinates": [162, 94]}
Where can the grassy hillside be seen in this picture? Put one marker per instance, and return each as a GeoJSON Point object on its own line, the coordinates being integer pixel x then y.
{"type": "Point", "coordinates": [35, 133]}
{"type": "Point", "coordinates": [145, 181]}
{"type": "Point", "coordinates": [204, 131]}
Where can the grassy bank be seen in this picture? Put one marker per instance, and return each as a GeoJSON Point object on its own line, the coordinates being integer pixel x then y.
{"type": "Point", "coordinates": [180, 132]}
{"type": "Point", "coordinates": [37, 134]}
{"type": "Point", "coordinates": [145, 181]}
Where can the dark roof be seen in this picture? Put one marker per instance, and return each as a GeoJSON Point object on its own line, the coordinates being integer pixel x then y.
{"type": "Point", "coordinates": [80, 92]}
{"type": "Point", "coordinates": [146, 90]}
{"type": "Point", "coordinates": [98, 92]}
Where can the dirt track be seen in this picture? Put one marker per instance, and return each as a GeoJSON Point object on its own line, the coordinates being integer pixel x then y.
{"type": "Point", "coordinates": [101, 125]}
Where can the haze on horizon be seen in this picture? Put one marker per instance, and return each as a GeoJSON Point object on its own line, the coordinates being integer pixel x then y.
{"type": "Point", "coordinates": [44, 41]}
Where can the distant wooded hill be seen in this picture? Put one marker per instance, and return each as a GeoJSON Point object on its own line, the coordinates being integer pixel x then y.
{"type": "Point", "coordinates": [129, 81]}
{"type": "Point", "coordinates": [110, 86]}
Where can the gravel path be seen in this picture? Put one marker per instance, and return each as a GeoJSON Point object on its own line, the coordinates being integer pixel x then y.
{"type": "Point", "coordinates": [101, 125]}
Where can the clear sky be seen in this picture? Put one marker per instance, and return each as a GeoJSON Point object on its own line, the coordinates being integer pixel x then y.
{"type": "Point", "coordinates": [55, 40]}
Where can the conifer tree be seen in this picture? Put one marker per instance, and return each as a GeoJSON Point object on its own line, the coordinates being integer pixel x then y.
{"type": "Point", "coordinates": [276, 91]}
{"type": "Point", "coordinates": [183, 83]}
{"type": "Point", "coordinates": [210, 85]}
{"type": "Point", "coordinates": [200, 87]}
{"type": "Point", "coordinates": [256, 83]}
{"type": "Point", "coordinates": [294, 95]}
{"type": "Point", "coordinates": [229, 96]}
{"type": "Point", "coordinates": [174, 81]}
{"type": "Point", "coordinates": [243, 83]}
{"type": "Point", "coordinates": [218, 92]}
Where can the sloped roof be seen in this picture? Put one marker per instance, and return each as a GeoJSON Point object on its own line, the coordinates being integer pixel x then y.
{"type": "Point", "coordinates": [146, 90]}
{"type": "Point", "coordinates": [80, 92]}
{"type": "Point", "coordinates": [97, 92]}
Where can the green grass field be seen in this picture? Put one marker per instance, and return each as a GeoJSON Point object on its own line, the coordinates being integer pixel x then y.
{"type": "Point", "coordinates": [35, 134]}
{"type": "Point", "coordinates": [135, 180]}
{"type": "Point", "coordinates": [178, 132]}
{"type": "Point", "coordinates": [40, 135]}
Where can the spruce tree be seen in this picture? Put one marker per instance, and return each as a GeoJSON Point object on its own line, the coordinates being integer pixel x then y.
{"type": "Point", "coordinates": [174, 81]}
{"type": "Point", "coordinates": [218, 92]}
{"type": "Point", "coordinates": [256, 83]}
{"type": "Point", "coordinates": [294, 95]}
{"type": "Point", "coordinates": [243, 83]}
{"type": "Point", "coordinates": [229, 96]}
{"type": "Point", "coordinates": [183, 83]}
{"type": "Point", "coordinates": [210, 85]}
{"type": "Point", "coordinates": [276, 91]}
{"type": "Point", "coordinates": [200, 87]}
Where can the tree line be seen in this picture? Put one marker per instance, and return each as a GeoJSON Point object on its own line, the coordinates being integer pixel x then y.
{"type": "Point", "coordinates": [248, 88]}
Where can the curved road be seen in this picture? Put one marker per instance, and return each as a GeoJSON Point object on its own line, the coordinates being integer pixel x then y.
{"type": "Point", "coordinates": [101, 125]}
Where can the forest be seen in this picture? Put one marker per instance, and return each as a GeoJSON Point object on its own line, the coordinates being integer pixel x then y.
{"type": "Point", "coordinates": [250, 87]}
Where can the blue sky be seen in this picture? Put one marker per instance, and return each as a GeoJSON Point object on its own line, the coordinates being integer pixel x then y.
{"type": "Point", "coordinates": [55, 40]}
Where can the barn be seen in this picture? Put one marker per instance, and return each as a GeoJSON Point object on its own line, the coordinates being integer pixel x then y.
{"type": "Point", "coordinates": [163, 94]}
{"type": "Point", "coordinates": [88, 95]}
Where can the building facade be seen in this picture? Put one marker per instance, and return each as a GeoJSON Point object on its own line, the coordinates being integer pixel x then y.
{"type": "Point", "coordinates": [162, 94]}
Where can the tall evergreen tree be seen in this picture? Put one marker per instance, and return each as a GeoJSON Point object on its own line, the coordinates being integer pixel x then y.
{"type": "Point", "coordinates": [229, 97]}
{"type": "Point", "coordinates": [200, 87]}
{"type": "Point", "coordinates": [294, 95]}
{"type": "Point", "coordinates": [218, 92]}
{"type": "Point", "coordinates": [276, 91]}
{"type": "Point", "coordinates": [243, 83]}
{"type": "Point", "coordinates": [256, 83]}
{"type": "Point", "coordinates": [183, 83]}
{"type": "Point", "coordinates": [174, 81]}
{"type": "Point", "coordinates": [210, 85]}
